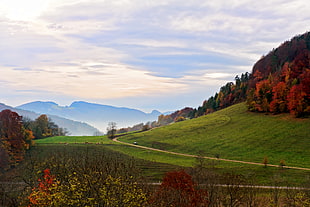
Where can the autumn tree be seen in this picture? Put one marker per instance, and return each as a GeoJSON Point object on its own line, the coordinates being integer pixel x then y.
{"type": "Point", "coordinates": [164, 120]}
{"type": "Point", "coordinates": [14, 139]}
{"type": "Point", "coordinates": [279, 99]}
{"type": "Point", "coordinates": [47, 192]}
{"type": "Point", "coordinates": [281, 80]}
{"type": "Point", "coordinates": [43, 127]}
{"type": "Point", "coordinates": [178, 189]}
{"type": "Point", "coordinates": [299, 96]}
{"type": "Point", "coordinates": [180, 118]}
{"type": "Point", "coordinates": [4, 155]}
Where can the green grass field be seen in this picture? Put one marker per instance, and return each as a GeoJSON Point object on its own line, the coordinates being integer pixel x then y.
{"type": "Point", "coordinates": [75, 139]}
{"type": "Point", "coordinates": [235, 133]}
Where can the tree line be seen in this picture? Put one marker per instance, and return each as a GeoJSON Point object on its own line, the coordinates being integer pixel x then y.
{"type": "Point", "coordinates": [17, 135]}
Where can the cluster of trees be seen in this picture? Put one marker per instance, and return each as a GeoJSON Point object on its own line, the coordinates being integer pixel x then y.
{"type": "Point", "coordinates": [43, 127]}
{"type": "Point", "coordinates": [14, 139]}
{"type": "Point", "coordinates": [17, 134]}
{"type": "Point", "coordinates": [138, 127]}
{"type": "Point", "coordinates": [281, 80]}
{"type": "Point", "coordinates": [179, 115]}
{"type": "Point", "coordinates": [229, 94]}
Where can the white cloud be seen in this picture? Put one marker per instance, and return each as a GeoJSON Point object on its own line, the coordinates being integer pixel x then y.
{"type": "Point", "coordinates": [100, 49]}
{"type": "Point", "coordinates": [107, 81]}
{"type": "Point", "coordinates": [23, 10]}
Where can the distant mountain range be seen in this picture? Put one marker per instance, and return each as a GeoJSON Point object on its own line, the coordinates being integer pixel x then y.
{"type": "Point", "coordinates": [96, 115]}
{"type": "Point", "coordinates": [73, 127]}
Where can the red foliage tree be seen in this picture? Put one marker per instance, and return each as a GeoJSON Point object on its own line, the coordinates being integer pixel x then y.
{"type": "Point", "coordinates": [178, 189]}
{"type": "Point", "coordinates": [12, 136]}
{"type": "Point", "coordinates": [263, 95]}
{"type": "Point", "coordinates": [279, 99]}
{"type": "Point", "coordinates": [297, 103]}
{"type": "Point", "coordinates": [41, 195]}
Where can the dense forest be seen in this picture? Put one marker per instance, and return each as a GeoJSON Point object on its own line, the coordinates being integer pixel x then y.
{"type": "Point", "coordinates": [281, 80]}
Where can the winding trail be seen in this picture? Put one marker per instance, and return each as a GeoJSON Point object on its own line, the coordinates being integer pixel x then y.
{"type": "Point", "coordinates": [210, 158]}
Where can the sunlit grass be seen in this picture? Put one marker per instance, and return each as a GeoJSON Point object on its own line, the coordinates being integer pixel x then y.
{"type": "Point", "coordinates": [235, 133]}
{"type": "Point", "coordinates": [75, 139]}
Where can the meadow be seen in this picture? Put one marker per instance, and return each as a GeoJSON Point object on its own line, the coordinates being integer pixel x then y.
{"type": "Point", "coordinates": [234, 133]}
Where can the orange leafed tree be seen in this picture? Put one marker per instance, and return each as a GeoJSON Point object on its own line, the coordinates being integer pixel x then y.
{"type": "Point", "coordinates": [279, 102]}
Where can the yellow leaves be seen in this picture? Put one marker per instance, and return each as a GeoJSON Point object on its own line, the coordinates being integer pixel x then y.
{"type": "Point", "coordinates": [118, 191]}
{"type": "Point", "coordinates": [89, 190]}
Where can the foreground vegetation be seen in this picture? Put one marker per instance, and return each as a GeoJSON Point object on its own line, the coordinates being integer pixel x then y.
{"type": "Point", "coordinates": [94, 175]}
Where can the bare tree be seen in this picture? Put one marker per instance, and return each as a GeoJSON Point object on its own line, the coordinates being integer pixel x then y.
{"type": "Point", "coordinates": [111, 130]}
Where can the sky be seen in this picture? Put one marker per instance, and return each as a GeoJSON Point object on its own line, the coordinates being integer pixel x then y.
{"type": "Point", "coordinates": [143, 54]}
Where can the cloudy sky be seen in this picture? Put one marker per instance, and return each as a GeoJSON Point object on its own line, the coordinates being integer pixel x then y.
{"type": "Point", "coordinates": [144, 54]}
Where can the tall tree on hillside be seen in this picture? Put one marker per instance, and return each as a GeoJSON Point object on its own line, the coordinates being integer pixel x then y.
{"type": "Point", "coordinates": [279, 102]}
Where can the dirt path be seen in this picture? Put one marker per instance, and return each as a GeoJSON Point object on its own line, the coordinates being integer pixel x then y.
{"type": "Point", "coordinates": [210, 158]}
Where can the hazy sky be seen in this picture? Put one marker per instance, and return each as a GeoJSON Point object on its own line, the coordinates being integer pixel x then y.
{"type": "Point", "coordinates": [144, 54]}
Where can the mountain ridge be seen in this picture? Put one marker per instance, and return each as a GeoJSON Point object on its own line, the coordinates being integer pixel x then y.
{"type": "Point", "coordinates": [74, 127]}
{"type": "Point", "coordinates": [97, 115]}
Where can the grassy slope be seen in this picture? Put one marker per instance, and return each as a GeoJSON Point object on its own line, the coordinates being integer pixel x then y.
{"type": "Point", "coordinates": [232, 133]}
{"type": "Point", "coordinates": [235, 133]}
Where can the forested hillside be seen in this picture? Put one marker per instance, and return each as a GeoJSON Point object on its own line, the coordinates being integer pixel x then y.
{"type": "Point", "coordinates": [281, 80]}
{"type": "Point", "coordinates": [279, 83]}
